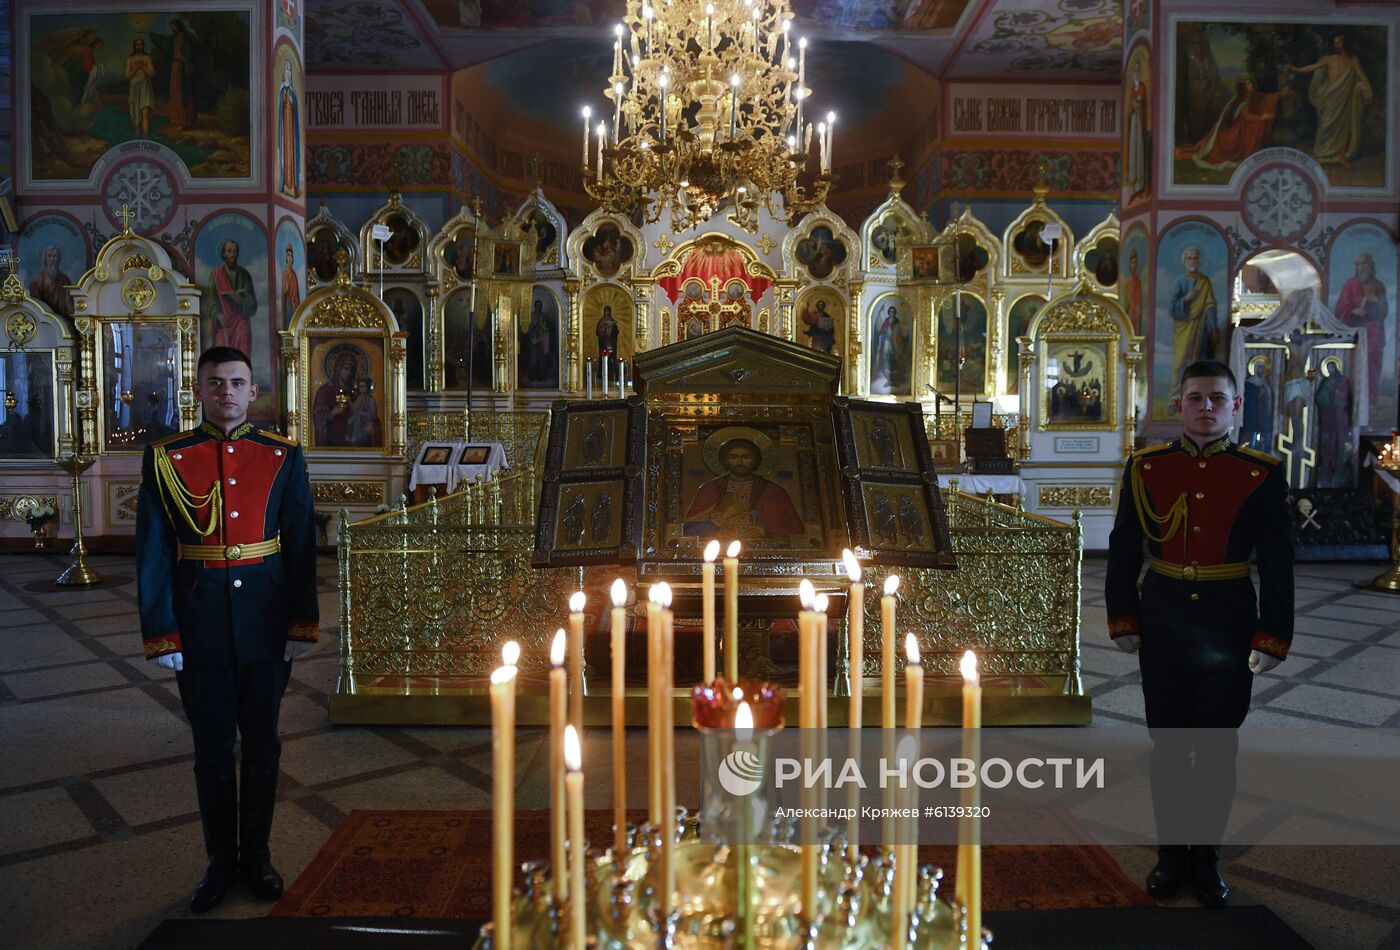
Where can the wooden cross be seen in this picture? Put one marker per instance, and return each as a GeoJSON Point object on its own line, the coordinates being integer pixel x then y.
{"type": "Point", "coordinates": [126, 214]}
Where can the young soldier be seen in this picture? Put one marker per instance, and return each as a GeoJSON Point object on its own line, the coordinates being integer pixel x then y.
{"type": "Point", "coordinates": [1202, 505]}
{"type": "Point", "coordinates": [226, 560]}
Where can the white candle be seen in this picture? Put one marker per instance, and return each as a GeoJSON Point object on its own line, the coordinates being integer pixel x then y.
{"type": "Point", "coordinates": [968, 886]}
{"type": "Point", "coordinates": [887, 650]}
{"type": "Point", "coordinates": [820, 605]}
{"type": "Point", "coordinates": [602, 140]}
{"type": "Point", "coordinates": [502, 800]}
{"type": "Point", "coordinates": [586, 113]}
{"type": "Point", "coordinates": [617, 112]}
{"type": "Point", "coordinates": [663, 82]}
{"type": "Point", "coordinates": [588, 375]}
{"type": "Point", "coordinates": [576, 602]}
{"type": "Point", "coordinates": [707, 610]}
{"type": "Point", "coordinates": [606, 362]}
{"type": "Point", "coordinates": [619, 718]}
{"type": "Point", "coordinates": [733, 106]}
{"type": "Point", "coordinates": [578, 910]}
{"type": "Point", "coordinates": [558, 718]}
{"type": "Point", "coordinates": [731, 613]}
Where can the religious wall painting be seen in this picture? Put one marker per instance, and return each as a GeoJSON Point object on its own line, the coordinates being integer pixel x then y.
{"type": "Point", "coordinates": [290, 257]}
{"type": "Point", "coordinates": [962, 345]}
{"type": "Point", "coordinates": [596, 440]}
{"type": "Point", "coordinates": [821, 252]}
{"type": "Point", "coordinates": [506, 259]}
{"type": "Point", "coordinates": [923, 262]}
{"type": "Point", "coordinates": [459, 253]}
{"type": "Point", "coordinates": [1133, 274]}
{"type": "Point", "coordinates": [349, 382]}
{"type": "Point", "coordinates": [1018, 322]}
{"type": "Point", "coordinates": [752, 483]}
{"type": "Point", "coordinates": [27, 405]}
{"type": "Point", "coordinates": [231, 268]}
{"type": "Point", "coordinates": [289, 16]}
{"type": "Point", "coordinates": [972, 258]}
{"type": "Point", "coordinates": [1078, 387]}
{"type": "Point", "coordinates": [885, 239]}
{"type": "Point", "coordinates": [546, 234]}
{"type": "Point", "coordinates": [140, 383]}
{"type": "Point", "coordinates": [287, 120]}
{"type": "Point", "coordinates": [322, 246]}
{"type": "Point", "coordinates": [607, 330]}
{"type": "Point", "coordinates": [1137, 126]}
{"type": "Point", "coordinates": [52, 254]}
{"type": "Point", "coordinates": [608, 249]}
{"type": "Point", "coordinates": [1361, 291]}
{"type": "Point", "coordinates": [890, 330]}
{"type": "Point", "coordinates": [1102, 264]}
{"type": "Point", "coordinates": [1028, 245]}
{"type": "Point", "coordinates": [590, 515]}
{"type": "Point", "coordinates": [403, 240]}
{"type": "Point", "coordinates": [884, 442]}
{"type": "Point", "coordinates": [1191, 314]}
{"type": "Point", "coordinates": [1246, 85]}
{"type": "Point", "coordinates": [468, 361]}
{"type": "Point", "coordinates": [407, 309]}
{"type": "Point", "coordinates": [1333, 397]}
{"type": "Point", "coordinates": [538, 347]}
{"type": "Point", "coordinates": [1257, 414]}
{"type": "Point", "coordinates": [821, 320]}
{"type": "Point", "coordinates": [99, 79]}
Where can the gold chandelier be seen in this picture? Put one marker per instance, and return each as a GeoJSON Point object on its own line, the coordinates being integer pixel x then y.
{"type": "Point", "coordinates": [732, 129]}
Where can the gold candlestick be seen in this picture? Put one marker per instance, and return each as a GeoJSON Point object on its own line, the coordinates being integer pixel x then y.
{"type": "Point", "coordinates": [77, 574]}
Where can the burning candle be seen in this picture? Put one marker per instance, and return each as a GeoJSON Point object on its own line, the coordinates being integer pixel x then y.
{"type": "Point", "coordinates": [653, 706]}
{"type": "Point", "coordinates": [710, 24]}
{"type": "Point", "coordinates": [619, 718]}
{"type": "Point", "coordinates": [503, 799]}
{"type": "Point", "coordinates": [576, 602]}
{"type": "Point", "coordinates": [969, 867]}
{"type": "Point", "coordinates": [707, 609]}
{"type": "Point", "coordinates": [578, 910]}
{"type": "Point", "coordinates": [587, 112]}
{"type": "Point", "coordinates": [887, 650]}
{"type": "Point", "coordinates": [558, 716]}
{"type": "Point", "coordinates": [602, 140]}
{"type": "Point", "coordinates": [819, 606]}
{"type": "Point", "coordinates": [743, 869]}
{"type": "Point", "coordinates": [510, 653]}
{"type": "Point", "coordinates": [731, 612]}
{"type": "Point", "coordinates": [806, 678]}
{"type": "Point", "coordinates": [617, 48]}
{"type": "Point", "coordinates": [667, 750]}
{"type": "Point", "coordinates": [855, 635]}
{"type": "Point", "coordinates": [913, 684]}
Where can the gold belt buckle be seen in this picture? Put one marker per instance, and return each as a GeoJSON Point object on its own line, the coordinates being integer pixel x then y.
{"type": "Point", "coordinates": [1188, 573]}
{"type": "Point", "coordinates": [234, 552]}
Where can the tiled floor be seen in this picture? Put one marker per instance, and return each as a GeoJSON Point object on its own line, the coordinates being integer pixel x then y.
{"type": "Point", "coordinates": [101, 838]}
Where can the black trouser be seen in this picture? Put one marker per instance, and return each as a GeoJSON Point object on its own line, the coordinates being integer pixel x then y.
{"type": "Point", "coordinates": [1191, 710]}
{"type": "Point", "coordinates": [222, 704]}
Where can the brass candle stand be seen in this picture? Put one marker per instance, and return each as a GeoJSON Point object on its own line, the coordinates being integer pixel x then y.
{"type": "Point", "coordinates": [853, 898]}
{"type": "Point", "coordinates": [77, 574]}
{"type": "Point", "coordinates": [1389, 580]}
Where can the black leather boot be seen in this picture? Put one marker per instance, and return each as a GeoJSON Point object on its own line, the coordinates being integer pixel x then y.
{"type": "Point", "coordinates": [255, 811]}
{"type": "Point", "coordinates": [1167, 876]}
{"type": "Point", "coordinates": [1211, 889]}
{"type": "Point", "coordinates": [218, 813]}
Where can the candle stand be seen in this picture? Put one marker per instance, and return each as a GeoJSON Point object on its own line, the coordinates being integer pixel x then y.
{"type": "Point", "coordinates": [77, 574]}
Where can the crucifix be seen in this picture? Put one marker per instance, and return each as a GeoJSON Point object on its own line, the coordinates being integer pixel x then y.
{"type": "Point", "coordinates": [126, 214]}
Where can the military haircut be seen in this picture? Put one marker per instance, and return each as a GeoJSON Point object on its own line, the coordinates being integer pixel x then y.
{"type": "Point", "coordinates": [222, 354]}
{"type": "Point", "coordinates": [1209, 369]}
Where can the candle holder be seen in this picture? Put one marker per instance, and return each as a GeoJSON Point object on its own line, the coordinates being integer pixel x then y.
{"type": "Point", "coordinates": [77, 574]}
{"type": "Point", "coordinates": [1389, 461]}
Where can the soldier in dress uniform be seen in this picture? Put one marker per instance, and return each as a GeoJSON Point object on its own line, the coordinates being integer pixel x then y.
{"type": "Point", "coordinates": [1200, 506]}
{"type": "Point", "coordinates": [226, 560]}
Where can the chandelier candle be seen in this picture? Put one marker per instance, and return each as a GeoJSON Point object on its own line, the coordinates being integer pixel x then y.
{"type": "Point", "coordinates": [503, 799]}
{"type": "Point", "coordinates": [587, 112]}
{"type": "Point", "coordinates": [578, 907]}
{"type": "Point", "coordinates": [576, 602]}
{"type": "Point", "coordinates": [731, 612]}
{"type": "Point", "coordinates": [558, 716]}
{"type": "Point", "coordinates": [707, 609]}
{"type": "Point", "coordinates": [969, 867]}
{"type": "Point", "coordinates": [619, 718]}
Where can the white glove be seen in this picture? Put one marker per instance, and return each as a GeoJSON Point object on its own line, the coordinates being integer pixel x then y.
{"type": "Point", "coordinates": [1262, 662]}
{"type": "Point", "coordinates": [296, 648]}
{"type": "Point", "coordinates": [171, 661]}
{"type": "Point", "coordinates": [1128, 642]}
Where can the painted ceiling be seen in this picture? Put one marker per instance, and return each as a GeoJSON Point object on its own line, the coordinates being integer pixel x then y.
{"type": "Point", "coordinates": [948, 39]}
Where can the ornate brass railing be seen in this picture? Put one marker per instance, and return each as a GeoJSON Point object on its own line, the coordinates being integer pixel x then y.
{"type": "Point", "coordinates": [435, 589]}
{"type": "Point", "coordinates": [1014, 597]}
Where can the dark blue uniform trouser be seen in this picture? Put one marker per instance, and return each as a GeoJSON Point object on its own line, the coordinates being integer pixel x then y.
{"type": "Point", "coordinates": [223, 703]}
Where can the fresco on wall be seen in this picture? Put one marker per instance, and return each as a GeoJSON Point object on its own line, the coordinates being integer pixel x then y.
{"type": "Point", "coordinates": [1245, 86]}
{"type": "Point", "coordinates": [1192, 307]}
{"type": "Point", "coordinates": [1071, 37]}
{"type": "Point", "coordinates": [1018, 321]}
{"type": "Point", "coordinates": [1132, 275]}
{"type": "Point", "coordinates": [1137, 126]}
{"type": "Point", "coordinates": [1361, 278]}
{"type": "Point", "coordinates": [52, 255]}
{"type": "Point", "coordinates": [286, 119]}
{"type": "Point", "coordinates": [964, 346]}
{"type": "Point", "coordinates": [231, 268]}
{"type": "Point", "coordinates": [100, 79]}
{"type": "Point", "coordinates": [291, 270]}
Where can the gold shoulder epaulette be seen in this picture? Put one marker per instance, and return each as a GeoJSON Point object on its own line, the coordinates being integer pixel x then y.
{"type": "Point", "coordinates": [1153, 448]}
{"type": "Point", "coordinates": [275, 436]}
{"type": "Point", "coordinates": [171, 438]}
{"type": "Point", "coordinates": [1258, 456]}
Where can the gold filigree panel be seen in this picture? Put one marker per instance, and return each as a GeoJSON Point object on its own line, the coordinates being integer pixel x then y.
{"type": "Point", "coordinates": [121, 500]}
{"type": "Point", "coordinates": [1076, 496]}
{"type": "Point", "coordinates": [344, 310]}
{"type": "Point", "coordinates": [348, 493]}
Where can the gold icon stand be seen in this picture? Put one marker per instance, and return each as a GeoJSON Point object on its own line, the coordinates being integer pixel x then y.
{"type": "Point", "coordinates": [77, 574]}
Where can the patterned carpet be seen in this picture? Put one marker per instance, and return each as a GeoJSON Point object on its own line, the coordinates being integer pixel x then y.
{"type": "Point", "coordinates": [438, 864]}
